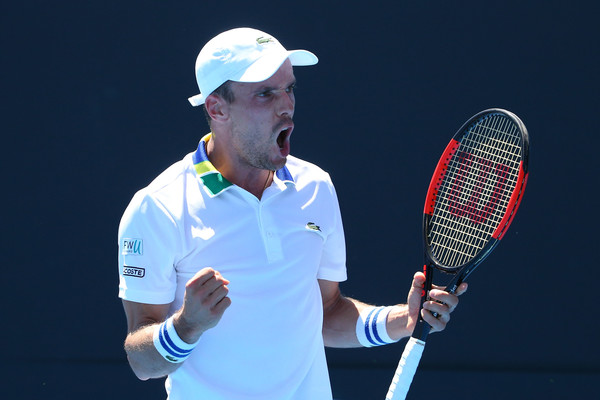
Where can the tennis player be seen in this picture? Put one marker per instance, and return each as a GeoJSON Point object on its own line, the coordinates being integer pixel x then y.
{"type": "Point", "coordinates": [230, 260]}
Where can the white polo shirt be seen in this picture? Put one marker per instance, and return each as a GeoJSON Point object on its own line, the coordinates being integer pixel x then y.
{"type": "Point", "coordinates": [269, 344]}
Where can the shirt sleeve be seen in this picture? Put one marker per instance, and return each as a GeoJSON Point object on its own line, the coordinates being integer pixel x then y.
{"type": "Point", "coordinates": [147, 246]}
{"type": "Point", "coordinates": [333, 257]}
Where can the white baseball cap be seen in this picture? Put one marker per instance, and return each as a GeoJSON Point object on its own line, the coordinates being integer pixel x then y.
{"type": "Point", "coordinates": [242, 55]}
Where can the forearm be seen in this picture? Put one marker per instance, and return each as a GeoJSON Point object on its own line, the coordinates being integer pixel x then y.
{"type": "Point", "coordinates": [205, 301]}
{"type": "Point", "coordinates": [339, 323]}
{"type": "Point", "coordinates": [341, 315]}
{"type": "Point", "coordinates": [145, 361]}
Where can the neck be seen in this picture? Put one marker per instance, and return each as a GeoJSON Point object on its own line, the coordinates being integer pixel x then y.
{"type": "Point", "coordinates": [253, 180]}
{"type": "Point", "coordinates": [255, 183]}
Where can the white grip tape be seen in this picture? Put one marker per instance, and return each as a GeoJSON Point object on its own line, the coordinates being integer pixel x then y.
{"type": "Point", "coordinates": [407, 367]}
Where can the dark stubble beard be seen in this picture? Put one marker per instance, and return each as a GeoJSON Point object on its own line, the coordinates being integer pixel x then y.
{"type": "Point", "coordinates": [257, 156]}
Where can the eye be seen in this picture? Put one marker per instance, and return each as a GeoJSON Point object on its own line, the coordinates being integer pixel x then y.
{"type": "Point", "coordinates": [270, 92]}
{"type": "Point", "coordinates": [266, 93]}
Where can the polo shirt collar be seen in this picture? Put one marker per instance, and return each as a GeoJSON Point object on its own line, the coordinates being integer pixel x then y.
{"type": "Point", "coordinates": [213, 181]}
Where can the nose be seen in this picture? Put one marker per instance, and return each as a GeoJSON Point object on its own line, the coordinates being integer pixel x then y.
{"type": "Point", "coordinates": [287, 103]}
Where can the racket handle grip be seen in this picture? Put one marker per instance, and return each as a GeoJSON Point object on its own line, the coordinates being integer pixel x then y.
{"type": "Point", "coordinates": [421, 330]}
{"type": "Point", "coordinates": [407, 367]}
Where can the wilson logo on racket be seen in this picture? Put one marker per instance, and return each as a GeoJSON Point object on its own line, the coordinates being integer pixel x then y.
{"type": "Point", "coordinates": [476, 185]}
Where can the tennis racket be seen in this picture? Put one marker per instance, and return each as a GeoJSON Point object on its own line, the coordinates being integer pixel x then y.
{"type": "Point", "coordinates": [472, 199]}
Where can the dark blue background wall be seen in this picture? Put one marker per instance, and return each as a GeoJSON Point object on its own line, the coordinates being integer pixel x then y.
{"type": "Point", "coordinates": [94, 106]}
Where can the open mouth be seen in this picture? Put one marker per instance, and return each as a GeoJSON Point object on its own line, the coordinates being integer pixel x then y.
{"type": "Point", "coordinates": [283, 135]}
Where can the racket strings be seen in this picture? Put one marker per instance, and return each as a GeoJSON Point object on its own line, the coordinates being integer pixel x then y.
{"type": "Point", "coordinates": [475, 191]}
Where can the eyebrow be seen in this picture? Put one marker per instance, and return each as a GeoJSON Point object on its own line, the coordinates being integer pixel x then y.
{"type": "Point", "coordinates": [271, 88]}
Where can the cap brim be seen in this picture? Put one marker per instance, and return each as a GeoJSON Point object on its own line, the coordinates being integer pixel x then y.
{"type": "Point", "coordinates": [196, 100]}
{"type": "Point", "coordinates": [302, 58]}
{"type": "Point", "coordinates": [264, 68]}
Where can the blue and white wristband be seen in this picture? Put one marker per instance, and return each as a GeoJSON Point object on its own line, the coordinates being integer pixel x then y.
{"type": "Point", "coordinates": [169, 344]}
{"type": "Point", "coordinates": [371, 327]}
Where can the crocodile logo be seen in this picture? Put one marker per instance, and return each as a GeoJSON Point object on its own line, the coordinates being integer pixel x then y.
{"type": "Point", "coordinates": [264, 40]}
{"type": "Point", "coordinates": [313, 227]}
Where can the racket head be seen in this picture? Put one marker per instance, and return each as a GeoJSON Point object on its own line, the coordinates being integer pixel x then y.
{"type": "Point", "coordinates": [475, 191]}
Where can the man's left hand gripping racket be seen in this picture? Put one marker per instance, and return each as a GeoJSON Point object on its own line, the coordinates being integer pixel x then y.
{"type": "Point", "coordinates": [473, 196]}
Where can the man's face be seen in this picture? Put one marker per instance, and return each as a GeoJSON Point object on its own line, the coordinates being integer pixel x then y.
{"type": "Point", "coordinates": [261, 117]}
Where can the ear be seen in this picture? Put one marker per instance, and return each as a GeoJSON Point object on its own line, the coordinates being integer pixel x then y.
{"type": "Point", "coordinates": [216, 107]}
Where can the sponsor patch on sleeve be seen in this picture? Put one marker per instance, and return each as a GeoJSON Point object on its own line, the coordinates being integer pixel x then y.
{"type": "Point", "coordinates": [134, 271]}
{"type": "Point", "coordinates": [132, 246]}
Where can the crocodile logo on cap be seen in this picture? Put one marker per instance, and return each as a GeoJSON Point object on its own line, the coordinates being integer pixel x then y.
{"type": "Point", "coordinates": [264, 40]}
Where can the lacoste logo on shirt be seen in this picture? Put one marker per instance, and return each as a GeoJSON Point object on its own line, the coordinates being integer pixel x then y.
{"type": "Point", "coordinates": [313, 227]}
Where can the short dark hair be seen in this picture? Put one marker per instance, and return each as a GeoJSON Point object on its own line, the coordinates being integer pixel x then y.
{"type": "Point", "coordinates": [225, 92]}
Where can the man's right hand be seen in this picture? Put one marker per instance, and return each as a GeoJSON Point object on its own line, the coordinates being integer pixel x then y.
{"type": "Point", "coordinates": [204, 303]}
